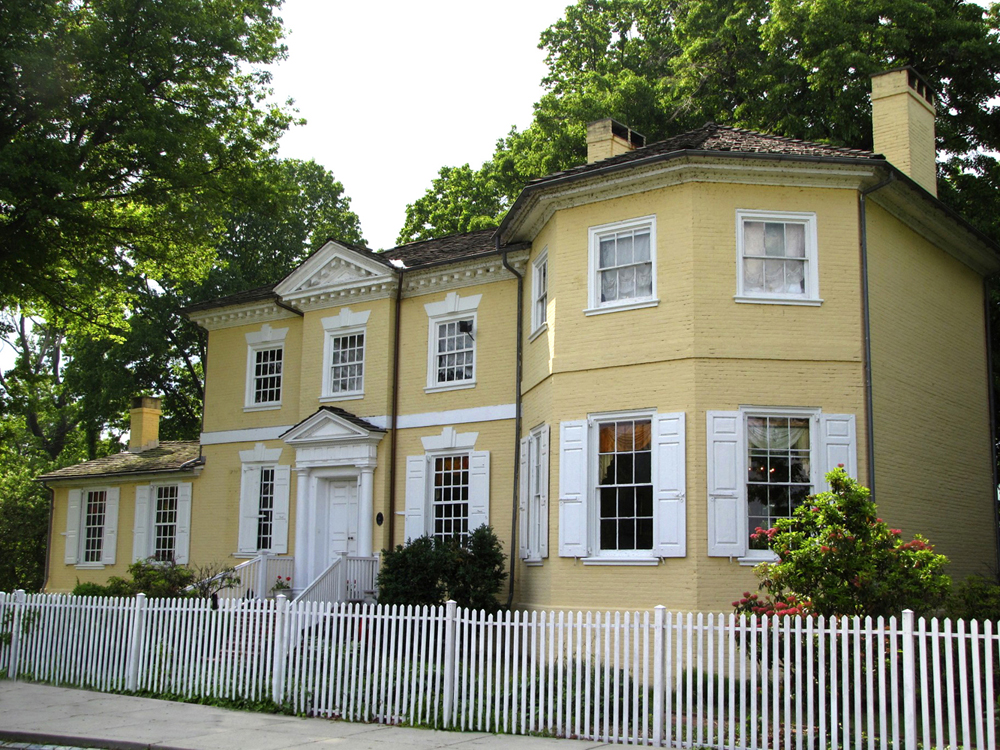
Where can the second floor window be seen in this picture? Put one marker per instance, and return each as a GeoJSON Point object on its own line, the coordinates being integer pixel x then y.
{"type": "Point", "coordinates": [347, 363]}
{"type": "Point", "coordinates": [777, 257]}
{"type": "Point", "coordinates": [456, 351]}
{"type": "Point", "coordinates": [623, 265]}
{"type": "Point", "coordinates": [267, 376]}
{"type": "Point", "coordinates": [540, 292]}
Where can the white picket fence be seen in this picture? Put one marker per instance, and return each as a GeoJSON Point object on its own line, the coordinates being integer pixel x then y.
{"type": "Point", "coordinates": [646, 678]}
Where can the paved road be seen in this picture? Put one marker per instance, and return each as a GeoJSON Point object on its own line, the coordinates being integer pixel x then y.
{"type": "Point", "coordinates": [43, 714]}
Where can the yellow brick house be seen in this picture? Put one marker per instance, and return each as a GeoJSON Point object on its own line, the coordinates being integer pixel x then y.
{"type": "Point", "coordinates": [654, 354]}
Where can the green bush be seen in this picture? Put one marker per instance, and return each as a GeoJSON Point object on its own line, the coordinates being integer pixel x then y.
{"type": "Point", "coordinates": [836, 557]}
{"type": "Point", "coordinates": [154, 579]}
{"type": "Point", "coordinates": [975, 598]}
{"type": "Point", "coordinates": [429, 572]}
{"type": "Point", "coordinates": [90, 589]}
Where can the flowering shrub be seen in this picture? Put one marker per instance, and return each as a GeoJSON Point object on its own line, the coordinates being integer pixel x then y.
{"type": "Point", "coordinates": [836, 557]}
{"type": "Point", "coordinates": [282, 584]}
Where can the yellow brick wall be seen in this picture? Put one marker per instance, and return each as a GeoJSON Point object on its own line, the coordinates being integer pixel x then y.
{"type": "Point", "coordinates": [931, 404]}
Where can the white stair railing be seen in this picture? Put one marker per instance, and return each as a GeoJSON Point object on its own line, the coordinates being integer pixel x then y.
{"type": "Point", "coordinates": [258, 577]}
{"type": "Point", "coordinates": [361, 575]}
{"type": "Point", "coordinates": [329, 586]}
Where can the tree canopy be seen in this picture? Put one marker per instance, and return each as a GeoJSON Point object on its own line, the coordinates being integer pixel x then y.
{"type": "Point", "coordinates": [122, 124]}
{"type": "Point", "coordinates": [797, 68]}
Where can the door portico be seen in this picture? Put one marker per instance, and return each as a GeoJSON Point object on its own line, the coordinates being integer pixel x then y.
{"type": "Point", "coordinates": [335, 459]}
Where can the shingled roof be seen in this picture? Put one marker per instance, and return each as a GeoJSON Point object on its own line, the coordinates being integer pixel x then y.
{"type": "Point", "coordinates": [714, 137]}
{"type": "Point", "coordinates": [169, 456]}
{"type": "Point", "coordinates": [451, 247]}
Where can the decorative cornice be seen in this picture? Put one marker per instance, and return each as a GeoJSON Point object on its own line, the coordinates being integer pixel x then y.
{"type": "Point", "coordinates": [333, 297]}
{"type": "Point", "coordinates": [601, 187]}
{"type": "Point", "coordinates": [457, 275]}
{"type": "Point", "coordinates": [231, 317]}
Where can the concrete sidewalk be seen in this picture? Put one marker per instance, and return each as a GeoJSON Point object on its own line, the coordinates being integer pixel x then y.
{"type": "Point", "coordinates": [80, 718]}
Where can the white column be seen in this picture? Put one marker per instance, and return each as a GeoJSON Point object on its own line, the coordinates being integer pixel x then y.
{"type": "Point", "coordinates": [301, 577]}
{"type": "Point", "coordinates": [366, 502]}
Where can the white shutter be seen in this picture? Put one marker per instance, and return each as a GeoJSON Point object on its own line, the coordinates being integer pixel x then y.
{"type": "Point", "coordinates": [141, 526]}
{"type": "Point", "coordinates": [573, 511]}
{"type": "Point", "coordinates": [727, 508]}
{"type": "Point", "coordinates": [479, 489]}
{"type": "Point", "coordinates": [543, 506]}
{"type": "Point", "coordinates": [524, 491]}
{"type": "Point", "coordinates": [249, 509]}
{"type": "Point", "coordinates": [670, 499]}
{"type": "Point", "coordinates": [182, 539]}
{"type": "Point", "coordinates": [279, 529]}
{"type": "Point", "coordinates": [415, 524]}
{"type": "Point", "coordinates": [838, 439]}
{"type": "Point", "coordinates": [73, 527]}
{"type": "Point", "coordinates": [108, 554]}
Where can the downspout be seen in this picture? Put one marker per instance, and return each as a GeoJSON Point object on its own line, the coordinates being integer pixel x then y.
{"type": "Point", "coordinates": [393, 411]}
{"type": "Point", "coordinates": [990, 390]}
{"type": "Point", "coordinates": [866, 322]}
{"type": "Point", "coordinates": [517, 419]}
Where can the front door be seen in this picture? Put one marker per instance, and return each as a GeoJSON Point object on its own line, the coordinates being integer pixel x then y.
{"type": "Point", "coordinates": [342, 526]}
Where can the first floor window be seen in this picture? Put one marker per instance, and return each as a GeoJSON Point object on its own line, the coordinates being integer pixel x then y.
{"type": "Point", "coordinates": [625, 484]}
{"type": "Point", "coordinates": [267, 375]}
{"type": "Point", "coordinates": [455, 351]}
{"type": "Point", "coordinates": [451, 497]}
{"type": "Point", "coordinates": [533, 509]}
{"type": "Point", "coordinates": [347, 363]}
{"type": "Point", "coordinates": [94, 518]}
{"type": "Point", "coordinates": [265, 509]}
{"type": "Point", "coordinates": [165, 523]}
{"type": "Point", "coordinates": [778, 470]}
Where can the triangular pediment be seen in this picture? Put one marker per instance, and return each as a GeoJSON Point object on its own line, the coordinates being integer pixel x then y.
{"type": "Point", "coordinates": [330, 425]}
{"type": "Point", "coordinates": [334, 266]}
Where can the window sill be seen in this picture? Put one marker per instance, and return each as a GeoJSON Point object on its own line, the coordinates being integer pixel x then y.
{"type": "Point", "coordinates": [645, 561]}
{"type": "Point", "coordinates": [450, 386]}
{"type": "Point", "coordinates": [342, 397]}
{"type": "Point", "coordinates": [750, 561]}
{"type": "Point", "coordinates": [90, 566]}
{"type": "Point", "coordinates": [532, 562]}
{"type": "Point", "coordinates": [778, 301]}
{"type": "Point", "coordinates": [262, 407]}
{"type": "Point", "coordinates": [538, 332]}
{"type": "Point", "coordinates": [637, 305]}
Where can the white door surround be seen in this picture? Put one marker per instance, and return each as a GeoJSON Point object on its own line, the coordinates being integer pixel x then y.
{"type": "Point", "coordinates": [335, 458]}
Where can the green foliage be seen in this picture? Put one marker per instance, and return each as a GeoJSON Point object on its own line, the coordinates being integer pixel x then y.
{"type": "Point", "coordinates": [975, 598]}
{"type": "Point", "coordinates": [154, 579]}
{"type": "Point", "coordinates": [428, 572]}
{"type": "Point", "coordinates": [122, 124]}
{"type": "Point", "coordinates": [800, 69]}
{"type": "Point", "coordinates": [836, 557]}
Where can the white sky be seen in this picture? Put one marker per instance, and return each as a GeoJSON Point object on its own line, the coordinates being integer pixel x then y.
{"type": "Point", "coordinates": [393, 91]}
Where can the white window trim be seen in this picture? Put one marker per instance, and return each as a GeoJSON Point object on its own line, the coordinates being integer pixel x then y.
{"type": "Point", "coordinates": [346, 323]}
{"type": "Point", "coordinates": [537, 327]}
{"type": "Point", "coordinates": [594, 305]}
{"type": "Point", "coordinates": [450, 309]}
{"type": "Point", "coordinates": [76, 528]}
{"type": "Point", "coordinates": [253, 461]}
{"type": "Point", "coordinates": [616, 556]}
{"type": "Point", "coordinates": [756, 556]}
{"type": "Point", "coordinates": [265, 338]}
{"type": "Point", "coordinates": [808, 219]}
{"type": "Point", "coordinates": [535, 448]}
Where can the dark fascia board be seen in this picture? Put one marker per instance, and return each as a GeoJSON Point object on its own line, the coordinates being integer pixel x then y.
{"type": "Point", "coordinates": [186, 469]}
{"type": "Point", "coordinates": [877, 163]}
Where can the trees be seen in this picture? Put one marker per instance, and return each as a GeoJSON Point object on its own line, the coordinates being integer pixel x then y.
{"type": "Point", "coordinates": [798, 69]}
{"type": "Point", "coordinates": [122, 123]}
{"type": "Point", "coordinates": [836, 557]}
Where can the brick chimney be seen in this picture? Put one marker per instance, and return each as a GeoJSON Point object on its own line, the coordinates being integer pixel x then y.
{"type": "Point", "coordinates": [903, 124]}
{"type": "Point", "coordinates": [607, 138]}
{"type": "Point", "coordinates": [145, 430]}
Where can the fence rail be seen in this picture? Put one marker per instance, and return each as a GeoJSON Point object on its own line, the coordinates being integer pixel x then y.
{"type": "Point", "coordinates": [645, 678]}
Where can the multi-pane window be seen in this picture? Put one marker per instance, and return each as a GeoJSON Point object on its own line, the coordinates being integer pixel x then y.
{"type": "Point", "coordinates": [624, 265]}
{"type": "Point", "coordinates": [347, 363]}
{"type": "Point", "coordinates": [777, 256]}
{"type": "Point", "coordinates": [778, 475]}
{"type": "Point", "coordinates": [451, 497]}
{"type": "Point", "coordinates": [456, 353]}
{"type": "Point", "coordinates": [265, 509]}
{"type": "Point", "coordinates": [165, 523]}
{"type": "Point", "coordinates": [267, 375]}
{"type": "Point", "coordinates": [539, 310]}
{"type": "Point", "coordinates": [625, 484]}
{"type": "Point", "coordinates": [95, 513]}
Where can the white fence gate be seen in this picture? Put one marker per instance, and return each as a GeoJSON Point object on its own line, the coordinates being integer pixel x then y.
{"type": "Point", "coordinates": [647, 678]}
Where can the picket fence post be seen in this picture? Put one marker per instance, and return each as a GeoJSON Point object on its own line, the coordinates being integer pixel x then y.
{"type": "Point", "coordinates": [909, 683]}
{"type": "Point", "coordinates": [658, 613]}
{"type": "Point", "coordinates": [135, 642]}
{"type": "Point", "coordinates": [450, 609]}
{"type": "Point", "coordinates": [15, 633]}
{"type": "Point", "coordinates": [280, 655]}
